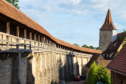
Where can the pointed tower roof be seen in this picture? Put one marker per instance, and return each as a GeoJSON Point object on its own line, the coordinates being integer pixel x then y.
{"type": "Point", "coordinates": [108, 24]}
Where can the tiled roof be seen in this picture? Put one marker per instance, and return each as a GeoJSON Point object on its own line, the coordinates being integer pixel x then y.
{"type": "Point", "coordinates": [93, 58]}
{"type": "Point", "coordinates": [13, 13]}
{"type": "Point", "coordinates": [119, 62]}
{"type": "Point", "coordinates": [113, 47]}
{"type": "Point", "coordinates": [108, 24]}
{"type": "Point", "coordinates": [121, 34]}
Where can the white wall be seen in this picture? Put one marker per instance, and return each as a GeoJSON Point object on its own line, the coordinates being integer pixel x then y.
{"type": "Point", "coordinates": [114, 35]}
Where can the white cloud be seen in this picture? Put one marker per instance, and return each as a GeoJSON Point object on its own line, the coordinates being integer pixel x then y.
{"type": "Point", "coordinates": [74, 2]}
{"type": "Point", "coordinates": [118, 26]}
{"type": "Point", "coordinates": [65, 14]}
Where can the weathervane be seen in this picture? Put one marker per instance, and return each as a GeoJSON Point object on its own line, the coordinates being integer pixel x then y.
{"type": "Point", "coordinates": [109, 6]}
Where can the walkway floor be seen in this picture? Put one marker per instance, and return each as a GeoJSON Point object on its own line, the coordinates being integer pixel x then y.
{"type": "Point", "coordinates": [76, 82]}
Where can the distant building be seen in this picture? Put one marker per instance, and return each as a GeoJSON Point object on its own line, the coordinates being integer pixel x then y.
{"type": "Point", "coordinates": [118, 67]}
{"type": "Point", "coordinates": [108, 32]}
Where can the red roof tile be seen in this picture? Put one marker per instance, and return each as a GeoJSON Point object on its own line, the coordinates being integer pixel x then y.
{"type": "Point", "coordinates": [108, 24]}
{"type": "Point", "coordinates": [13, 13]}
{"type": "Point", "coordinates": [119, 62]}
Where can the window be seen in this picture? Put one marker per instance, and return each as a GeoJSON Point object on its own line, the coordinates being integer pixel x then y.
{"type": "Point", "coordinates": [115, 44]}
{"type": "Point", "coordinates": [111, 54]}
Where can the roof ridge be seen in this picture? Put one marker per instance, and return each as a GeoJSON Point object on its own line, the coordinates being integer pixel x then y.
{"type": "Point", "coordinates": [20, 11]}
{"type": "Point", "coordinates": [10, 11]}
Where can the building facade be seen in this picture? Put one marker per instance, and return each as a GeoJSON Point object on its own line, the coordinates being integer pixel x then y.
{"type": "Point", "coordinates": [117, 67]}
{"type": "Point", "coordinates": [31, 55]}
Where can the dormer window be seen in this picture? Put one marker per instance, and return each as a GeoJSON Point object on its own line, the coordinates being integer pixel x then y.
{"type": "Point", "coordinates": [111, 54]}
{"type": "Point", "coordinates": [115, 44]}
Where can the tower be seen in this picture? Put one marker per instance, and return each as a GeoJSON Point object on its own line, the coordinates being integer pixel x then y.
{"type": "Point", "coordinates": [108, 32]}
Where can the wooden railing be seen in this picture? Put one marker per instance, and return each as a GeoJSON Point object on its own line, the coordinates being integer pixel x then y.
{"type": "Point", "coordinates": [11, 41]}
{"type": "Point", "coordinates": [14, 42]}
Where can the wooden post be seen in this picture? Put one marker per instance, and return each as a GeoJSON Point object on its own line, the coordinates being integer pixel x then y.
{"type": "Point", "coordinates": [43, 39]}
{"type": "Point", "coordinates": [35, 40]}
{"type": "Point", "coordinates": [39, 41]}
{"type": "Point", "coordinates": [25, 38]}
{"type": "Point", "coordinates": [30, 37]}
{"type": "Point", "coordinates": [8, 28]}
{"type": "Point", "coordinates": [17, 34]}
{"type": "Point", "coordinates": [25, 33]}
{"type": "Point", "coordinates": [7, 31]}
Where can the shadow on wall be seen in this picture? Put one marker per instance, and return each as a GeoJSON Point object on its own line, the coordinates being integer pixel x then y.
{"type": "Point", "coordinates": [30, 78]}
{"type": "Point", "coordinates": [70, 68]}
{"type": "Point", "coordinates": [15, 68]}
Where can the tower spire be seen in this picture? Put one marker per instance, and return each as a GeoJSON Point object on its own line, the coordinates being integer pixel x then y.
{"type": "Point", "coordinates": [108, 24]}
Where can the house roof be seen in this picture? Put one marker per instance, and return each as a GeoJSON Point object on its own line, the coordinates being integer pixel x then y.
{"type": "Point", "coordinates": [15, 14]}
{"type": "Point", "coordinates": [119, 62]}
{"type": "Point", "coordinates": [108, 24]}
{"type": "Point", "coordinates": [93, 58]}
{"type": "Point", "coordinates": [113, 47]}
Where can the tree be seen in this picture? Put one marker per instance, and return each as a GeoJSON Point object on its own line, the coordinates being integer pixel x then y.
{"type": "Point", "coordinates": [85, 46]}
{"type": "Point", "coordinates": [122, 37]}
{"type": "Point", "coordinates": [14, 3]}
{"type": "Point", "coordinates": [97, 48]}
{"type": "Point", "coordinates": [76, 44]}
{"type": "Point", "coordinates": [91, 47]}
{"type": "Point", "coordinates": [98, 73]}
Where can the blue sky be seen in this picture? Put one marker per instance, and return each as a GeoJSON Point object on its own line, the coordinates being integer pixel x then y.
{"type": "Point", "coordinates": [75, 21]}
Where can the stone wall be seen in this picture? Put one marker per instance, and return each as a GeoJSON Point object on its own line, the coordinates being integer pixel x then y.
{"type": "Point", "coordinates": [105, 39]}
{"type": "Point", "coordinates": [5, 71]}
{"type": "Point", "coordinates": [43, 67]}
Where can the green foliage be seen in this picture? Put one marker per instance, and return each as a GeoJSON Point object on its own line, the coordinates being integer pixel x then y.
{"type": "Point", "coordinates": [122, 37]}
{"type": "Point", "coordinates": [85, 46]}
{"type": "Point", "coordinates": [113, 56]}
{"type": "Point", "coordinates": [92, 74]}
{"type": "Point", "coordinates": [91, 47]}
{"type": "Point", "coordinates": [98, 73]}
{"type": "Point", "coordinates": [14, 3]}
{"type": "Point", "coordinates": [76, 44]}
{"type": "Point", "coordinates": [97, 48]}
